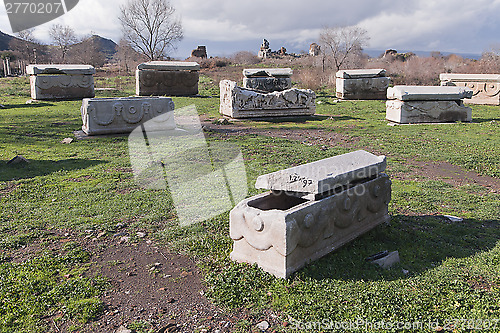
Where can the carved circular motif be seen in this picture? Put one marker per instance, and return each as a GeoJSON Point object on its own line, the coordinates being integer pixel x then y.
{"type": "Point", "coordinates": [43, 82]}
{"type": "Point", "coordinates": [105, 120]}
{"type": "Point", "coordinates": [64, 80]}
{"type": "Point", "coordinates": [132, 115]}
{"type": "Point", "coordinates": [86, 81]}
{"type": "Point", "coordinates": [309, 220]}
{"type": "Point", "coordinates": [258, 223]}
{"type": "Point", "coordinates": [492, 89]}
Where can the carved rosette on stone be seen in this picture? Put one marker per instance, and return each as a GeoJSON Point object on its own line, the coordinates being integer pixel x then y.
{"type": "Point", "coordinates": [283, 231]}
{"type": "Point", "coordinates": [427, 104]}
{"type": "Point", "coordinates": [267, 79]}
{"type": "Point", "coordinates": [358, 84]}
{"type": "Point", "coordinates": [237, 102]}
{"type": "Point", "coordinates": [485, 87]}
{"type": "Point", "coordinates": [59, 82]}
{"type": "Point", "coordinates": [172, 78]}
{"type": "Point", "coordinates": [124, 114]}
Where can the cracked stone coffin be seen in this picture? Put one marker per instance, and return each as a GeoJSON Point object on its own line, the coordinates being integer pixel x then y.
{"type": "Point", "coordinates": [485, 87]}
{"type": "Point", "coordinates": [124, 114]}
{"type": "Point", "coordinates": [61, 81]}
{"type": "Point", "coordinates": [238, 102]}
{"type": "Point", "coordinates": [362, 84]}
{"type": "Point", "coordinates": [427, 104]}
{"type": "Point", "coordinates": [171, 78]}
{"type": "Point", "coordinates": [311, 210]}
{"type": "Point", "coordinates": [267, 79]}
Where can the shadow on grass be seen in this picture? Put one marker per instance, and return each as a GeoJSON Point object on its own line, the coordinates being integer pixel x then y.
{"type": "Point", "coordinates": [303, 119]}
{"type": "Point", "coordinates": [423, 242]}
{"type": "Point", "coordinates": [25, 106]}
{"type": "Point", "coordinates": [484, 120]}
{"type": "Point", "coordinates": [36, 168]}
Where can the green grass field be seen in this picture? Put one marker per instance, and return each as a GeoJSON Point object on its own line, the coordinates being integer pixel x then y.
{"type": "Point", "coordinates": [448, 270]}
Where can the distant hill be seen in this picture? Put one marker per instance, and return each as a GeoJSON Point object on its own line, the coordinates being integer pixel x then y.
{"type": "Point", "coordinates": [4, 41]}
{"type": "Point", "coordinates": [105, 45]}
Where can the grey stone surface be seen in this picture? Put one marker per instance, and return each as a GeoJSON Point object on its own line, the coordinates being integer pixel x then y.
{"type": "Point", "coordinates": [151, 82]}
{"type": "Point", "coordinates": [325, 175]}
{"type": "Point", "coordinates": [62, 86]}
{"type": "Point", "coordinates": [267, 84]}
{"type": "Point", "coordinates": [237, 102]}
{"type": "Point", "coordinates": [485, 87]}
{"type": "Point", "coordinates": [360, 73]}
{"type": "Point", "coordinates": [69, 69]}
{"type": "Point", "coordinates": [124, 114]}
{"type": "Point", "coordinates": [170, 66]}
{"type": "Point", "coordinates": [362, 88]}
{"type": "Point", "coordinates": [406, 112]}
{"type": "Point", "coordinates": [428, 93]}
{"type": "Point", "coordinates": [388, 261]}
{"type": "Point", "coordinates": [282, 233]}
{"type": "Point", "coordinates": [267, 72]}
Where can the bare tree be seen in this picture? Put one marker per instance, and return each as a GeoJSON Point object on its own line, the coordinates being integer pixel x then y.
{"type": "Point", "coordinates": [63, 37]}
{"type": "Point", "coordinates": [25, 45]}
{"type": "Point", "coordinates": [151, 27]}
{"type": "Point", "coordinates": [341, 44]}
{"type": "Point", "coordinates": [88, 51]}
{"type": "Point", "coordinates": [127, 57]}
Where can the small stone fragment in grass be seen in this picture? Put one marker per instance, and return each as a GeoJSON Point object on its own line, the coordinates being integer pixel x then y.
{"type": "Point", "coordinates": [123, 329]}
{"type": "Point", "coordinates": [141, 234]}
{"type": "Point", "coordinates": [453, 218]}
{"type": "Point", "coordinates": [388, 260]}
{"type": "Point", "coordinates": [67, 140]}
{"type": "Point", "coordinates": [263, 325]}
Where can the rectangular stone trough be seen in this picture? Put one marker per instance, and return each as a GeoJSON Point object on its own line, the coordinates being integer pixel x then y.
{"type": "Point", "coordinates": [311, 210]}
{"type": "Point", "coordinates": [170, 78]}
{"type": "Point", "coordinates": [237, 102]}
{"type": "Point", "coordinates": [267, 79]}
{"type": "Point", "coordinates": [427, 104]}
{"type": "Point", "coordinates": [124, 114]}
{"type": "Point", "coordinates": [485, 87]}
{"type": "Point", "coordinates": [359, 84]}
{"type": "Point", "coordinates": [61, 82]}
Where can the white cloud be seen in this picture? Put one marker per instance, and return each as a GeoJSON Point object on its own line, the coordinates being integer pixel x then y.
{"type": "Point", "coordinates": [445, 25]}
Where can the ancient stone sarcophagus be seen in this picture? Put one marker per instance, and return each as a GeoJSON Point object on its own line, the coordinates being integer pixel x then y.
{"type": "Point", "coordinates": [267, 79]}
{"type": "Point", "coordinates": [362, 84]}
{"type": "Point", "coordinates": [171, 78]}
{"type": "Point", "coordinates": [311, 210]}
{"type": "Point", "coordinates": [59, 82]}
{"type": "Point", "coordinates": [124, 114]}
{"type": "Point", "coordinates": [237, 102]}
{"type": "Point", "coordinates": [485, 87]}
{"type": "Point", "coordinates": [427, 104]}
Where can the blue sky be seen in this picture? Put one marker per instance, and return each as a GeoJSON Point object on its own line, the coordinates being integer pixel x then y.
{"type": "Point", "coordinates": [227, 26]}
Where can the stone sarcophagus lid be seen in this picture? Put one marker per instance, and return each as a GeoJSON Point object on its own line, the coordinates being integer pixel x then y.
{"type": "Point", "coordinates": [485, 87]}
{"type": "Point", "coordinates": [267, 79]}
{"type": "Point", "coordinates": [124, 114]}
{"type": "Point", "coordinates": [362, 84]}
{"type": "Point", "coordinates": [60, 82]}
{"type": "Point", "coordinates": [427, 104]}
{"type": "Point", "coordinates": [238, 102]}
{"type": "Point", "coordinates": [311, 210]}
{"type": "Point", "coordinates": [171, 78]}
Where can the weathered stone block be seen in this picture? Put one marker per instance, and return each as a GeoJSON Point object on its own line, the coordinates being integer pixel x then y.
{"type": "Point", "coordinates": [124, 114]}
{"type": "Point", "coordinates": [267, 79]}
{"type": "Point", "coordinates": [326, 175]}
{"type": "Point", "coordinates": [282, 233]}
{"type": "Point", "coordinates": [174, 78]}
{"type": "Point", "coordinates": [427, 104]}
{"type": "Point", "coordinates": [428, 93]}
{"type": "Point", "coordinates": [56, 82]}
{"type": "Point", "coordinates": [362, 84]}
{"type": "Point", "coordinates": [485, 87]}
{"type": "Point", "coordinates": [406, 112]}
{"type": "Point", "coordinates": [237, 102]}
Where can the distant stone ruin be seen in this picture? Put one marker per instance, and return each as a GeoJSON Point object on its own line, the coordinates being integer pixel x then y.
{"type": "Point", "coordinates": [393, 55]}
{"type": "Point", "coordinates": [314, 50]}
{"type": "Point", "coordinates": [200, 52]}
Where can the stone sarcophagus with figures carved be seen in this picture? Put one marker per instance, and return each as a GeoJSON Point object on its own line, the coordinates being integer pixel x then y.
{"type": "Point", "coordinates": [170, 78]}
{"type": "Point", "coordinates": [124, 114]}
{"type": "Point", "coordinates": [311, 210]}
{"type": "Point", "coordinates": [267, 79]}
{"type": "Point", "coordinates": [485, 87]}
{"type": "Point", "coordinates": [60, 82]}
